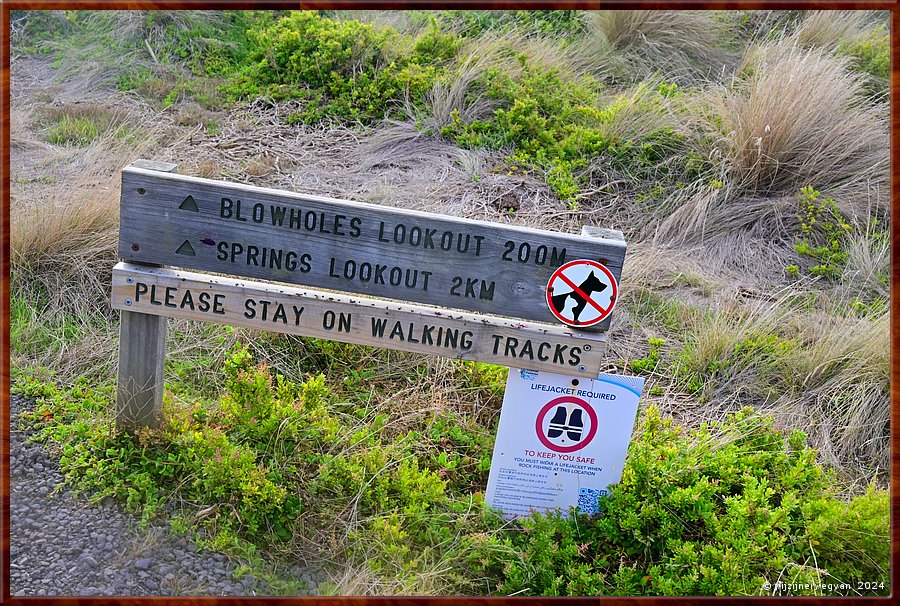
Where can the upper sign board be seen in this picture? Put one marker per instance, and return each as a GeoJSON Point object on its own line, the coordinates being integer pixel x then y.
{"type": "Point", "coordinates": [171, 219]}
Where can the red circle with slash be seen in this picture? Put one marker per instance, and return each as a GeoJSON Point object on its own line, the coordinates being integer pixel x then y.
{"type": "Point", "coordinates": [582, 293]}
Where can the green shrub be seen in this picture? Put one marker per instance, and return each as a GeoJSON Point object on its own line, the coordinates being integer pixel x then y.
{"type": "Point", "coordinates": [871, 54]}
{"type": "Point", "coordinates": [345, 70]}
{"type": "Point", "coordinates": [266, 452]}
{"type": "Point", "coordinates": [720, 511]}
{"type": "Point", "coordinates": [556, 126]}
{"type": "Point", "coordinates": [825, 231]}
{"type": "Point", "coordinates": [473, 23]}
{"type": "Point", "coordinates": [649, 363]}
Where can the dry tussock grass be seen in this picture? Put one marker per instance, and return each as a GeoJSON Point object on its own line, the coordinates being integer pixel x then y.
{"type": "Point", "coordinates": [816, 370]}
{"type": "Point", "coordinates": [54, 243]}
{"type": "Point", "coordinates": [85, 68]}
{"type": "Point", "coordinates": [353, 580]}
{"type": "Point", "coordinates": [752, 235]}
{"type": "Point", "coordinates": [684, 45]}
{"type": "Point", "coordinates": [207, 169]}
{"type": "Point", "coordinates": [796, 118]}
{"type": "Point", "coordinates": [64, 241]}
{"type": "Point", "coordinates": [829, 376]}
{"type": "Point", "coordinates": [766, 140]}
{"type": "Point", "coordinates": [716, 336]}
{"type": "Point", "coordinates": [868, 262]}
{"type": "Point", "coordinates": [403, 144]}
{"type": "Point", "coordinates": [21, 130]}
{"type": "Point", "coordinates": [192, 114]}
{"type": "Point", "coordinates": [262, 166]}
{"type": "Point", "coordinates": [842, 377]}
{"type": "Point", "coordinates": [827, 29]}
{"type": "Point", "coordinates": [454, 95]}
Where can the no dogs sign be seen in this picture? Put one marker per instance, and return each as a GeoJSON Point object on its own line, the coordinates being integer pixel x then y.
{"type": "Point", "coordinates": [582, 293]}
{"type": "Point", "coordinates": [561, 441]}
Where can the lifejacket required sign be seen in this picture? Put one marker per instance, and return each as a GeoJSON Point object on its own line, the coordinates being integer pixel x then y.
{"type": "Point", "coordinates": [561, 441]}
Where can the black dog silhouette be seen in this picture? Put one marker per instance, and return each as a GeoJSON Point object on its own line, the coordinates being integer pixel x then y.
{"type": "Point", "coordinates": [590, 285]}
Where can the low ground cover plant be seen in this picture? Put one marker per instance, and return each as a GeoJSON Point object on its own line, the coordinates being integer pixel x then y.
{"type": "Point", "coordinates": [722, 510]}
{"type": "Point", "coordinates": [757, 275]}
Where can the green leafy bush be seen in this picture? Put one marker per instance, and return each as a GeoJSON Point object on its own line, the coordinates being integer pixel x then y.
{"type": "Point", "coordinates": [556, 126]}
{"type": "Point", "coordinates": [346, 69]}
{"type": "Point", "coordinates": [649, 363]}
{"type": "Point", "coordinates": [825, 230]}
{"type": "Point", "coordinates": [719, 511]}
{"type": "Point", "coordinates": [872, 54]}
{"type": "Point", "coordinates": [265, 453]}
{"type": "Point", "coordinates": [472, 23]}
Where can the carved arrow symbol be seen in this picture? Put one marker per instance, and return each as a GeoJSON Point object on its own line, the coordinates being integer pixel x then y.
{"type": "Point", "coordinates": [189, 204]}
{"type": "Point", "coordinates": [186, 249]}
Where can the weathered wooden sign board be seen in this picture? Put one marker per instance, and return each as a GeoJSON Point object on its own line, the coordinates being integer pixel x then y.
{"type": "Point", "coordinates": [170, 219]}
{"type": "Point", "coordinates": [448, 263]}
{"type": "Point", "coordinates": [312, 313]}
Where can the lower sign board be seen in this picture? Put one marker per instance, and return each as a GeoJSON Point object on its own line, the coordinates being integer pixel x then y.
{"type": "Point", "coordinates": [561, 441]}
{"type": "Point", "coordinates": [352, 319]}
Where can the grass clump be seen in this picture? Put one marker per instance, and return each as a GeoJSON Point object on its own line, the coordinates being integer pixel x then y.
{"type": "Point", "coordinates": [74, 131]}
{"type": "Point", "coordinates": [82, 125]}
{"type": "Point", "coordinates": [774, 142]}
{"type": "Point", "coordinates": [685, 45]}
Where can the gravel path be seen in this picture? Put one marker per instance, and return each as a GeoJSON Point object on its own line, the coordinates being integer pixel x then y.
{"type": "Point", "coordinates": [61, 545]}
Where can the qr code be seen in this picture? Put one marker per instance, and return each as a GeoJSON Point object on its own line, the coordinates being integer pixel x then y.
{"type": "Point", "coordinates": [587, 500]}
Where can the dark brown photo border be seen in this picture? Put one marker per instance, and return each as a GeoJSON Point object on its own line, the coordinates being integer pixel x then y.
{"type": "Point", "coordinates": [893, 6]}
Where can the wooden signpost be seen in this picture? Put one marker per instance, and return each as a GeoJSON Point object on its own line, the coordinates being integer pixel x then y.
{"type": "Point", "coordinates": [454, 266]}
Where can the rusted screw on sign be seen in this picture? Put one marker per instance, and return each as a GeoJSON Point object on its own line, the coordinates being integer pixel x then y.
{"type": "Point", "coordinates": [135, 247]}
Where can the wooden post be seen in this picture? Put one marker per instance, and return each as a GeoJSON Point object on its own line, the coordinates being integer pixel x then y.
{"type": "Point", "coordinates": [591, 231]}
{"type": "Point", "coordinates": [142, 357]}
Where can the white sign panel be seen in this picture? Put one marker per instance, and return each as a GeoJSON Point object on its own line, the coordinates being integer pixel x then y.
{"type": "Point", "coordinates": [582, 293]}
{"type": "Point", "coordinates": [561, 442]}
